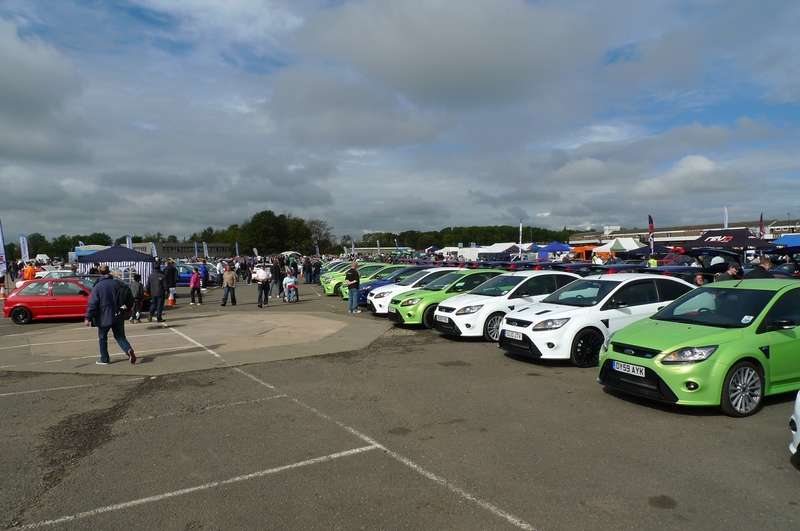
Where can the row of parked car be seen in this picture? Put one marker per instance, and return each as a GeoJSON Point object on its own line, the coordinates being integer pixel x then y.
{"type": "Point", "coordinates": [727, 344]}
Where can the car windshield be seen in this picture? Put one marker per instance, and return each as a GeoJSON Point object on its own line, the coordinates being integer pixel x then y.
{"type": "Point", "coordinates": [387, 272]}
{"type": "Point", "coordinates": [498, 286]}
{"type": "Point", "coordinates": [444, 281]}
{"type": "Point", "coordinates": [413, 278]}
{"type": "Point", "coordinates": [720, 307]}
{"type": "Point", "coordinates": [366, 271]}
{"type": "Point", "coordinates": [582, 293]}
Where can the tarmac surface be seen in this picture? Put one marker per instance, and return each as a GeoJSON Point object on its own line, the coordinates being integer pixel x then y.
{"type": "Point", "coordinates": [302, 417]}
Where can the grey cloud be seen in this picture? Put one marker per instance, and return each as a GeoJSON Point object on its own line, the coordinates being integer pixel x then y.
{"type": "Point", "coordinates": [319, 109]}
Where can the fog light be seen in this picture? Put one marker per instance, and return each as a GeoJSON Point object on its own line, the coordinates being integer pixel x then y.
{"type": "Point", "coordinates": [691, 386]}
{"type": "Point", "coordinates": [551, 345]}
{"type": "Point", "coordinates": [469, 326]}
{"type": "Point", "coordinates": [792, 425]}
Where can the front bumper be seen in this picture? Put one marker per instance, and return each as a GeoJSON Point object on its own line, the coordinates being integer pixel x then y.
{"type": "Point", "coordinates": [469, 325]}
{"type": "Point", "coordinates": [545, 344]}
{"type": "Point", "coordinates": [406, 314]}
{"type": "Point", "coordinates": [329, 288]}
{"type": "Point", "coordinates": [665, 383]}
{"type": "Point", "coordinates": [522, 347]}
{"type": "Point", "coordinates": [379, 305]}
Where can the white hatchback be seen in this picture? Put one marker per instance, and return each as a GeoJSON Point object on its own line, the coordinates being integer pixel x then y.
{"type": "Point", "coordinates": [574, 322]}
{"type": "Point", "coordinates": [378, 299]}
{"type": "Point", "coordinates": [481, 311]}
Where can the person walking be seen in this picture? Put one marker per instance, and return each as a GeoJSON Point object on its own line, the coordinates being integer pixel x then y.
{"type": "Point", "coordinates": [316, 267]}
{"type": "Point", "coordinates": [203, 275]}
{"type": "Point", "coordinates": [229, 286]}
{"type": "Point", "coordinates": [277, 284]}
{"type": "Point", "coordinates": [194, 286]}
{"type": "Point", "coordinates": [157, 286]}
{"type": "Point", "coordinates": [107, 309]}
{"type": "Point", "coordinates": [138, 297]}
{"type": "Point", "coordinates": [263, 277]}
{"type": "Point", "coordinates": [171, 279]}
{"type": "Point", "coordinates": [353, 280]}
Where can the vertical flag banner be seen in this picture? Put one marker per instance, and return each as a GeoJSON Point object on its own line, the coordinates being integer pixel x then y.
{"type": "Point", "coordinates": [129, 241]}
{"type": "Point", "coordinates": [255, 252]}
{"type": "Point", "coordinates": [353, 248]}
{"type": "Point", "coordinates": [651, 228]}
{"type": "Point", "coordinates": [761, 231]}
{"type": "Point", "coordinates": [725, 226]}
{"type": "Point", "coordinates": [237, 248]}
{"type": "Point", "coordinates": [153, 250]}
{"type": "Point", "coordinates": [379, 247]}
{"type": "Point", "coordinates": [205, 250]}
{"type": "Point", "coordinates": [81, 243]}
{"type": "Point", "coordinates": [23, 248]}
{"type": "Point", "coordinates": [316, 249]}
{"type": "Point", "coordinates": [196, 252]}
{"type": "Point", "coordinates": [3, 261]}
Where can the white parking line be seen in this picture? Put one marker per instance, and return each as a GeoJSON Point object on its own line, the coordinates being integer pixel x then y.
{"type": "Point", "coordinates": [64, 388]}
{"type": "Point", "coordinates": [192, 341]}
{"type": "Point", "coordinates": [71, 341]}
{"type": "Point", "coordinates": [204, 409]}
{"type": "Point", "coordinates": [198, 488]}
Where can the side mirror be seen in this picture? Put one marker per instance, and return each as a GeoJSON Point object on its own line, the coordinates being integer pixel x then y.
{"type": "Point", "coordinates": [614, 304]}
{"type": "Point", "coordinates": [781, 324]}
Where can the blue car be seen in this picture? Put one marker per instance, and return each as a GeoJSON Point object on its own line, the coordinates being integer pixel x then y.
{"type": "Point", "coordinates": [185, 273]}
{"type": "Point", "coordinates": [395, 276]}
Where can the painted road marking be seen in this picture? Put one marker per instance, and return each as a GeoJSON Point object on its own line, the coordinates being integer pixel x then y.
{"type": "Point", "coordinates": [198, 488]}
{"type": "Point", "coordinates": [71, 341]}
{"type": "Point", "coordinates": [204, 409]}
{"type": "Point", "coordinates": [192, 341]}
{"type": "Point", "coordinates": [119, 354]}
{"type": "Point", "coordinates": [66, 387]}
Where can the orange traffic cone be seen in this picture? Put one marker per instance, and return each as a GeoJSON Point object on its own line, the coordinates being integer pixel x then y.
{"type": "Point", "coordinates": [2, 293]}
{"type": "Point", "coordinates": [171, 301]}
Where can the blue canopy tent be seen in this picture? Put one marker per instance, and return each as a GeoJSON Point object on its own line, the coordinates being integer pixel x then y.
{"type": "Point", "coordinates": [119, 259]}
{"type": "Point", "coordinates": [787, 240]}
{"type": "Point", "coordinates": [556, 247]}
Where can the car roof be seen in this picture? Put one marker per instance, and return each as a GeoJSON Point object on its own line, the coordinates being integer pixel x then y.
{"type": "Point", "coordinates": [624, 277]}
{"type": "Point", "coordinates": [436, 269]}
{"type": "Point", "coordinates": [766, 284]}
{"type": "Point", "coordinates": [537, 272]}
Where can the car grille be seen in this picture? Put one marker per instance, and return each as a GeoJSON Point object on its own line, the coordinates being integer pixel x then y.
{"type": "Point", "coordinates": [445, 309]}
{"type": "Point", "coordinates": [448, 328]}
{"type": "Point", "coordinates": [396, 317]}
{"type": "Point", "coordinates": [632, 350]}
{"type": "Point", "coordinates": [651, 386]}
{"type": "Point", "coordinates": [524, 346]}
{"type": "Point", "coordinates": [518, 322]}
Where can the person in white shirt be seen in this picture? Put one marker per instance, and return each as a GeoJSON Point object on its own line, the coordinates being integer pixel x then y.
{"type": "Point", "coordinates": [263, 277]}
{"type": "Point", "coordinates": [291, 294]}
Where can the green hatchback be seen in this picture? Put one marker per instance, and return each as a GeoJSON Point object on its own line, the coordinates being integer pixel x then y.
{"type": "Point", "coordinates": [727, 344]}
{"type": "Point", "coordinates": [417, 306]}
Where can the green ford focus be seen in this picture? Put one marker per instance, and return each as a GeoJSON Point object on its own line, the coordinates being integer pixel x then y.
{"type": "Point", "coordinates": [728, 344]}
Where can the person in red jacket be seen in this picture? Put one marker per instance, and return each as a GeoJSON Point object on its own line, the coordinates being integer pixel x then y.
{"type": "Point", "coordinates": [194, 286]}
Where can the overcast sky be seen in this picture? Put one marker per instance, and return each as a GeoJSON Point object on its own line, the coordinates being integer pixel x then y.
{"type": "Point", "coordinates": [171, 115]}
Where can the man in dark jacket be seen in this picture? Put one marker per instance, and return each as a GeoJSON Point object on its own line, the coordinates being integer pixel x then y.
{"type": "Point", "coordinates": [761, 270]}
{"type": "Point", "coordinates": [171, 279]}
{"type": "Point", "coordinates": [157, 285]}
{"type": "Point", "coordinates": [107, 309]}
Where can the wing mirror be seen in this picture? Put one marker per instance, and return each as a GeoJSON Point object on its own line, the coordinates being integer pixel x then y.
{"type": "Point", "coordinates": [781, 324]}
{"type": "Point", "coordinates": [614, 304]}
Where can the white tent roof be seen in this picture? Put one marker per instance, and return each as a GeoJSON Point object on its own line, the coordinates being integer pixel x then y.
{"type": "Point", "coordinates": [628, 243]}
{"type": "Point", "coordinates": [500, 248]}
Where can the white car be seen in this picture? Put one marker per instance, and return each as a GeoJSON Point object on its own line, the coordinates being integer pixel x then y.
{"type": "Point", "coordinates": [481, 311]}
{"type": "Point", "coordinates": [379, 298]}
{"type": "Point", "coordinates": [794, 446]}
{"type": "Point", "coordinates": [574, 322]}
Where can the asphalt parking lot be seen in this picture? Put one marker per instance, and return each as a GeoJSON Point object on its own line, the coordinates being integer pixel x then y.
{"type": "Point", "coordinates": [390, 429]}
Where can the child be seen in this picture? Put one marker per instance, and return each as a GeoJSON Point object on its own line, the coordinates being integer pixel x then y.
{"type": "Point", "coordinates": [290, 286]}
{"type": "Point", "coordinates": [194, 285]}
{"type": "Point", "coordinates": [138, 296]}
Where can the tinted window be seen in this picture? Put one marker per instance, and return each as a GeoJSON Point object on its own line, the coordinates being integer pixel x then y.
{"type": "Point", "coordinates": [582, 292]}
{"type": "Point", "coordinates": [498, 286]}
{"type": "Point", "coordinates": [563, 280]}
{"type": "Point", "coordinates": [471, 282]}
{"type": "Point", "coordinates": [426, 277]}
{"type": "Point", "coordinates": [787, 308]}
{"type": "Point", "coordinates": [404, 274]}
{"type": "Point", "coordinates": [669, 290]}
{"type": "Point", "coordinates": [445, 280]}
{"type": "Point", "coordinates": [720, 307]}
{"type": "Point", "coordinates": [37, 289]}
{"type": "Point", "coordinates": [66, 288]}
{"type": "Point", "coordinates": [538, 285]}
{"type": "Point", "coordinates": [636, 294]}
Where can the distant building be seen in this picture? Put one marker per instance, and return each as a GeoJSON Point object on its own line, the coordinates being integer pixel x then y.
{"type": "Point", "coordinates": [682, 234]}
{"type": "Point", "coordinates": [184, 249]}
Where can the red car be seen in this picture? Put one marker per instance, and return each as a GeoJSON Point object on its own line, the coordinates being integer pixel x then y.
{"type": "Point", "coordinates": [46, 298]}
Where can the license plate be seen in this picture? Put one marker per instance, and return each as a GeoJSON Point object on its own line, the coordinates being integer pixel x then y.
{"type": "Point", "coordinates": [511, 334]}
{"type": "Point", "coordinates": [442, 318]}
{"type": "Point", "coordinates": [627, 368]}
{"type": "Point", "coordinates": [392, 309]}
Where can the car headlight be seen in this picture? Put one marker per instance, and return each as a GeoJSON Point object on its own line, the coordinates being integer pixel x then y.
{"type": "Point", "coordinates": [410, 302]}
{"type": "Point", "coordinates": [550, 324]}
{"type": "Point", "coordinates": [689, 354]}
{"type": "Point", "coordinates": [379, 295]}
{"type": "Point", "coordinates": [469, 309]}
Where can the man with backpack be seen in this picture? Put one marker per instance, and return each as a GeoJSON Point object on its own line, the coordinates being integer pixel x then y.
{"type": "Point", "coordinates": [109, 305]}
